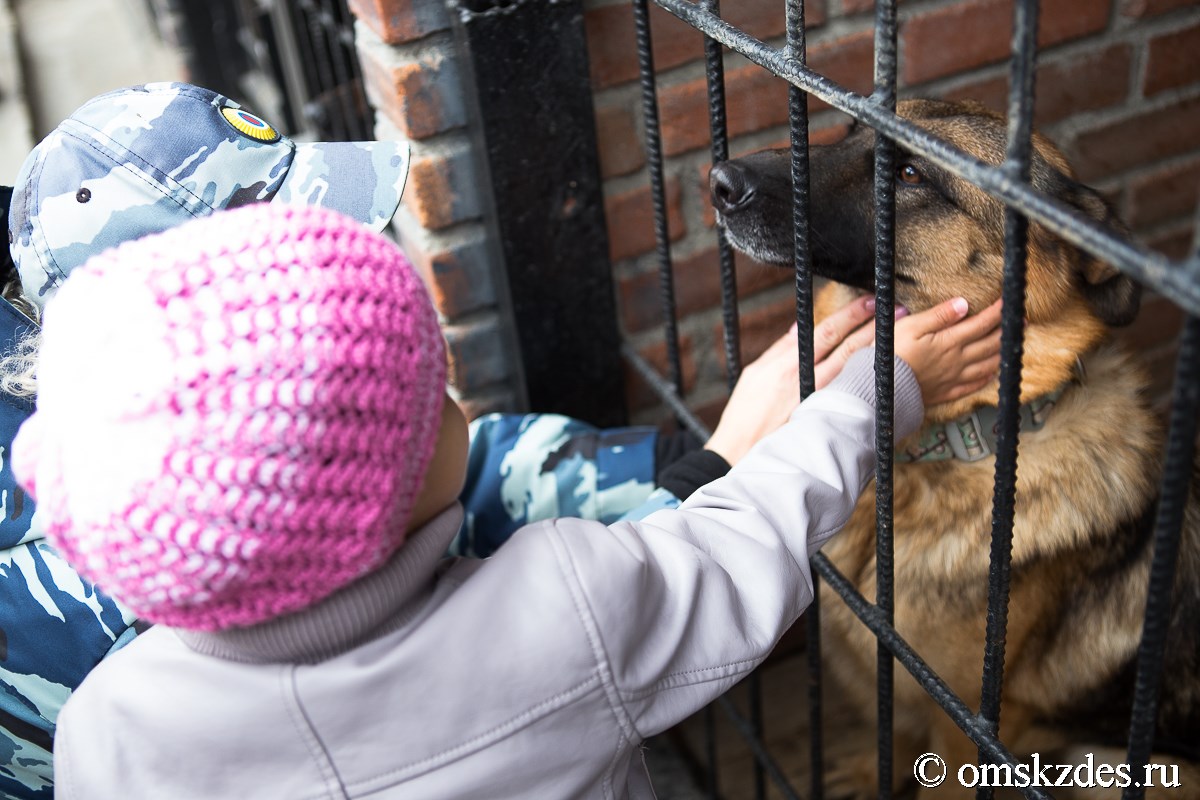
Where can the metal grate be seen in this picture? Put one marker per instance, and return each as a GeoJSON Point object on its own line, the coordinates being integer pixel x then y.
{"type": "Point", "coordinates": [291, 59]}
{"type": "Point", "coordinates": [1010, 183]}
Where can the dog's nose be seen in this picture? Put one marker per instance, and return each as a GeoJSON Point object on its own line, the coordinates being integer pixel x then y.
{"type": "Point", "coordinates": [730, 187]}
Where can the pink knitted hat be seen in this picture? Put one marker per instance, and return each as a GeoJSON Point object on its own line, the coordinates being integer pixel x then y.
{"type": "Point", "coordinates": [234, 416]}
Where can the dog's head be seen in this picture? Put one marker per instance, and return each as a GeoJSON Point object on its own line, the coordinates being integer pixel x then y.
{"type": "Point", "coordinates": [949, 233]}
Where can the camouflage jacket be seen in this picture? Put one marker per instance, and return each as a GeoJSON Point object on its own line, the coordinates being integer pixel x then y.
{"type": "Point", "coordinates": [54, 626]}
{"type": "Point", "coordinates": [525, 468]}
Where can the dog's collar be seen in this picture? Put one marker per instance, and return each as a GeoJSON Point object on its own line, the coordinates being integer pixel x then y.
{"type": "Point", "coordinates": [973, 437]}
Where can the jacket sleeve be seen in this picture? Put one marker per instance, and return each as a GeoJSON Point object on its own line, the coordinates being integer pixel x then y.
{"type": "Point", "coordinates": [527, 468]}
{"type": "Point", "coordinates": [685, 603]}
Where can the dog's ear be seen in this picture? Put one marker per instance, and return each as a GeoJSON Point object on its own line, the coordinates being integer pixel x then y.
{"type": "Point", "coordinates": [1113, 296]}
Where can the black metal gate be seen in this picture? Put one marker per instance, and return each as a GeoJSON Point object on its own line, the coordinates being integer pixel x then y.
{"type": "Point", "coordinates": [1010, 183]}
{"type": "Point", "coordinates": [294, 60]}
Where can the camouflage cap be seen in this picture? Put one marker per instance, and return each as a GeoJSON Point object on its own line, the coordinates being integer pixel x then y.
{"type": "Point", "coordinates": [144, 159]}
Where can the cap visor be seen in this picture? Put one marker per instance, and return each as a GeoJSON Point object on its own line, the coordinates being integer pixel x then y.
{"type": "Point", "coordinates": [363, 180]}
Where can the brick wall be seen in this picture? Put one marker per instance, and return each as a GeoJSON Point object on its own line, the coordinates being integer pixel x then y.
{"type": "Point", "coordinates": [1118, 89]}
{"type": "Point", "coordinates": [413, 80]}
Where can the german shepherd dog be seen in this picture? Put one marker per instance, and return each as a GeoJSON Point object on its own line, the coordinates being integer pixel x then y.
{"type": "Point", "coordinates": [1087, 475]}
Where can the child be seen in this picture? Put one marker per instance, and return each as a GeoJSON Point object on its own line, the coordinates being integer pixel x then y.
{"type": "Point", "coordinates": [272, 381]}
{"type": "Point", "coordinates": [126, 163]}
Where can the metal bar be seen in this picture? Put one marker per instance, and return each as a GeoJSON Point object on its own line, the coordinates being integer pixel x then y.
{"type": "Point", "coordinates": [331, 118]}
{"type": "Point", "coordinates": [1168, 524]}
{"type": "Point", "coordinates": [1178, 281]}
{"type": "Point", "coordinates": [344, 26]}
{"type": "Point", "coordinates": [755, 700]}
{"type": "Point", "coordinates": [884, 97]}
{"type": "Point", "coordinates": [797, 51]}
{"type": "Point", "coordinates": [666, 391]}
{"type": "Point", "coordinates": [654, 163]}
{"type": "Point", "coordinates": [367, 116]}
{"type": "Point", "coordinates": [798, 124]}
{"type": "Point", "coordinates": [1017, 165]}
{"type": "Point", "coordinates": [761, 756]}
{"type": "Point", "coordinates": [298, 70]}
{"type": "Point", "coordinates": [710, 750]}
{"type": "Point", "coordinates": [714, 71]}
{"type": "Point", "coordinates": [955, 708]}
{"type": "Point", "coordinates": [816, 731]}
{"type": "Point", "coordinates": [552, 212]}
{"type": "Point", "coordinates": [339, 55]}
{"type": "Point", "coordinates": [326, 124]}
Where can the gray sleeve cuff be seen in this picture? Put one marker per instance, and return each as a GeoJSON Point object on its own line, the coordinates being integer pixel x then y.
{"type": "Point", "coordinates": [858, 378]}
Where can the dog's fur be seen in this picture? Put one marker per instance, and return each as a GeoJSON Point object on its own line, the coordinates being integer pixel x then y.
{"type": "Point", "coordinates": [1086, 482]}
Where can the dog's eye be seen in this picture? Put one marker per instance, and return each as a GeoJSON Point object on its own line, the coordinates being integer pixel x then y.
{"type": "Point", "coordinates": [909, 174]}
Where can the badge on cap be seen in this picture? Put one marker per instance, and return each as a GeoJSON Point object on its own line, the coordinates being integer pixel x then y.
{"type": "Point", "coordinates": [246, 123]}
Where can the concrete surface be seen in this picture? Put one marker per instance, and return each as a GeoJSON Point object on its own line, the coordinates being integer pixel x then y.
{"type": "Point", "coordinates": [56, 54]}
{"type": "Point", "coordinates": [16, 127]}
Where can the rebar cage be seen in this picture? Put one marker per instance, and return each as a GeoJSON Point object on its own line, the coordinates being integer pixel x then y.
{"type": "Point", "coordinates": [1010, 183]}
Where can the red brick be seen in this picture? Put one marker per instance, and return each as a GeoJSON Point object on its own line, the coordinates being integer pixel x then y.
{"type": "Point", "coordinates": [622, 150]}
{"type": "Point", "coordinates": [427, 193]}
{"type": "Point", "coordinates": [1172, 60]}
{"type": "Point", "coordinates": [441, 191]}
{"type": "Point", "coordinates": [1164, 195]}
{"type": "Point", "coordinates": [420, 97]}
{"type": "Point", "coordinates": [991, 92]}
{"type": "Point", "coordinates": [612, 38]}
{"type": "Point", "coordinates": [759, 329]}
{"type": "Point", "coordinates": [476, 354]}
{"type": "Point", "coordinates": [1141, 139]}
{"type": "Point", "coordinates": [697, 283]}
{"type": "Point", "coordinates": [1065, 87]}
{"type": "Point", "coordinates": [1158, 323]}
{"type": "Point", "coordinates": [756, 99]}
{"type": "Point", "coordinates": [397, 21]}
{"type": "Point", "coordinates": [631, 220]}
{"type": "Point", "coordinates": [848, 62]}
{"type": "Point", "coordinates": [977, 32]}
{"type": "Point", "coordinates": [457, 277]}
{"type": "Point", "coordinates": [1149, 8]}
{"type": "Point", "coordinates": [858, 6]}
{"type": "Point", "coordinates": [638, 394]}
{"type": "Point", "coordinates": [1082, 83]}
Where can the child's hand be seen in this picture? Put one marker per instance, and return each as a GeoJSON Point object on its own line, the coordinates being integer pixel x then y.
{"type": "Point", "coordinates": [841, 334]}
{"type": "Point", "coordinates": [950, 358]}
{"type": "Point", "coordinates": [768, 390]}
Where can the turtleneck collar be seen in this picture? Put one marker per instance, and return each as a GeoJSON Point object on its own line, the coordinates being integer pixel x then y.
{"type": "Point", "coordinates": [375, 604]}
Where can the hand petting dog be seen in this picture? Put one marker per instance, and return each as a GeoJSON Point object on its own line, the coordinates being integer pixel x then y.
{"type": "Point", "coordinates": [951, 358]}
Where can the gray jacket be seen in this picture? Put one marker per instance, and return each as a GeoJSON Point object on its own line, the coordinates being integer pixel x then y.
{"type": "Point", "coordinates": [533, 674]}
